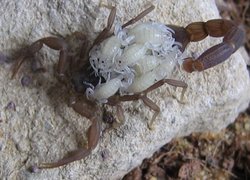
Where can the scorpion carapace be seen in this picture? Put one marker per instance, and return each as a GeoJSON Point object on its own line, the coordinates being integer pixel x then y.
{"type": "Point", "coordinates": [128, 63]}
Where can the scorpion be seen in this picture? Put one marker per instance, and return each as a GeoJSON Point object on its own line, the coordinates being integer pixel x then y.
{"type": "Point", "coordinates": [125, 64]}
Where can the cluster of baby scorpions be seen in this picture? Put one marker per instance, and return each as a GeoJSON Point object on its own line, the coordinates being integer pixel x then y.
{"type": "Point", "coordinates": [126, 64]}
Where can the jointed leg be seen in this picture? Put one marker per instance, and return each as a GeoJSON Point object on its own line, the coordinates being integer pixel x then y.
{"type": "Point", "coordinates": [148, 102]}
{"type": "Point", "coordinates": [152, 105]}
{"type": "Point", "coordinates": [114, 100]}
{"type": "Point", "coordinates": [93, 135]}
{"type": "Point", "coordinates": [139, 16]}
{"type": "Point", "coordinates": [177, 83]}
{"type": "Point", "coordinates": [172, 82]}
{"type": "Point", "coordinates": [89, 110]}
{"type": "Point", "coordinates": [106, 32]}
{"type": "Point", "coordinates": [143, 96]}
{"type": "Point", "coordinates": [74, 156]}
{"type": "Point", "coordinates": [52, 42]}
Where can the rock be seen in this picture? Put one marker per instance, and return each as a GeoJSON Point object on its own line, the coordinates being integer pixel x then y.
{"type": "Point", "coordinates": [42, 128]}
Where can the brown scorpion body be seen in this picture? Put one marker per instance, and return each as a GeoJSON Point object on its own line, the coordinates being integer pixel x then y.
{"type": "Point", "coordinates": [233, 38]}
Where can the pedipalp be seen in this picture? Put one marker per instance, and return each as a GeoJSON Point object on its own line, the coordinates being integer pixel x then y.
{"type": "Point", "coordinates": [53, 43]}
{"type": "Point", "coordinates": [233, 38]}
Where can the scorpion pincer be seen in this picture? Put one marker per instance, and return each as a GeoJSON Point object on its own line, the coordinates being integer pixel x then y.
{"type": "Point", "coordinates": [128, 63]}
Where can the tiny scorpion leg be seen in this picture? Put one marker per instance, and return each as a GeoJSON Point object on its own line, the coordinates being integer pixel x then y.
{"type": "Point", "coordinates": [106, 32]}
{"type": "Point", "coordinates": [52, 42]}
{"type": "Point", "coordinates": [93, 134]}
{"type": "Point", "coordinates": [139, 16]}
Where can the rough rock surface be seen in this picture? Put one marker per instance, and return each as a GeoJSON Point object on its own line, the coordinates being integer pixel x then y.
{"type": "Point", "coordinates": [36, 125]}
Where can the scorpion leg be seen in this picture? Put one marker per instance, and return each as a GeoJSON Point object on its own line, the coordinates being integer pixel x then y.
{"type": "Point", "coordinates": [91, 111]}
{"type": "Point", "coordinates": [120, 117]}
{"type": "Point", "coordinates": [143, 96]}
{"type": "Point", "coordinates": [74, 156]}
{"type": "Point", "coordinates": [114, 100]}
{"type": "Point", "coordinates": [52, 42]}
{"type": "Point", "coordinates": [152, 105]}
{"type": "Point", "coordinates": [29, 52]}
{"type": "Point", "coordinates": [172, 82]}
{"type": "Point", "coordinates": [106, 32]}
{"type": "Point", "coordinates": [93, 134]}
{"type": "Point", "coordinates": [139, 16]}
{"type": "Point", "coordinates": [233, 38]}
{"type": "Point", "coordinates": [148, 102]}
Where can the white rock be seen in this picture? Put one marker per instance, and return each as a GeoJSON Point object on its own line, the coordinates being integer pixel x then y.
{"type": "Point", "coordinates": [43, 128]}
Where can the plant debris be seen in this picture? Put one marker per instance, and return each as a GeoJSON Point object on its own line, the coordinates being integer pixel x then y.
{"type": "Point", "coordinates": [26, 80]}
{"type": "Point", "coordinates": [223, 155]}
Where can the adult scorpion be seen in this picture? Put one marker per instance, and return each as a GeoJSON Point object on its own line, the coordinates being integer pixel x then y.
{"type": "Point", "coordinates": [126, 64]}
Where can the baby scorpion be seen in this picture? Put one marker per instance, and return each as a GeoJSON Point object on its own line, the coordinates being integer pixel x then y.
{"type": "Point", "coordinates": [127, 64]}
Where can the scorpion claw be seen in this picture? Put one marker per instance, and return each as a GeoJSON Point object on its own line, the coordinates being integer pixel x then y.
{"type": "Point", "coordinates": [233, 38]}
{"type": "Point", "coordinates": [93, 135]}
{"type": "Point", "coordinates": [73, 156]}
{"type": "Point", "coordinates": [93, 138]}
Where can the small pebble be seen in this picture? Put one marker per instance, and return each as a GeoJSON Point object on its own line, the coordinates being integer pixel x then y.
{"type": "Point", "coordinates": [26, 80]}
{"type": "Point", "coordinates": [105, 154]}
{"type": "Point", "coordinates": [11, 106]}
{"type": "Point", "coordinates": [34, 169]}
{"type": "Point", "coordinates": [3, 58]}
